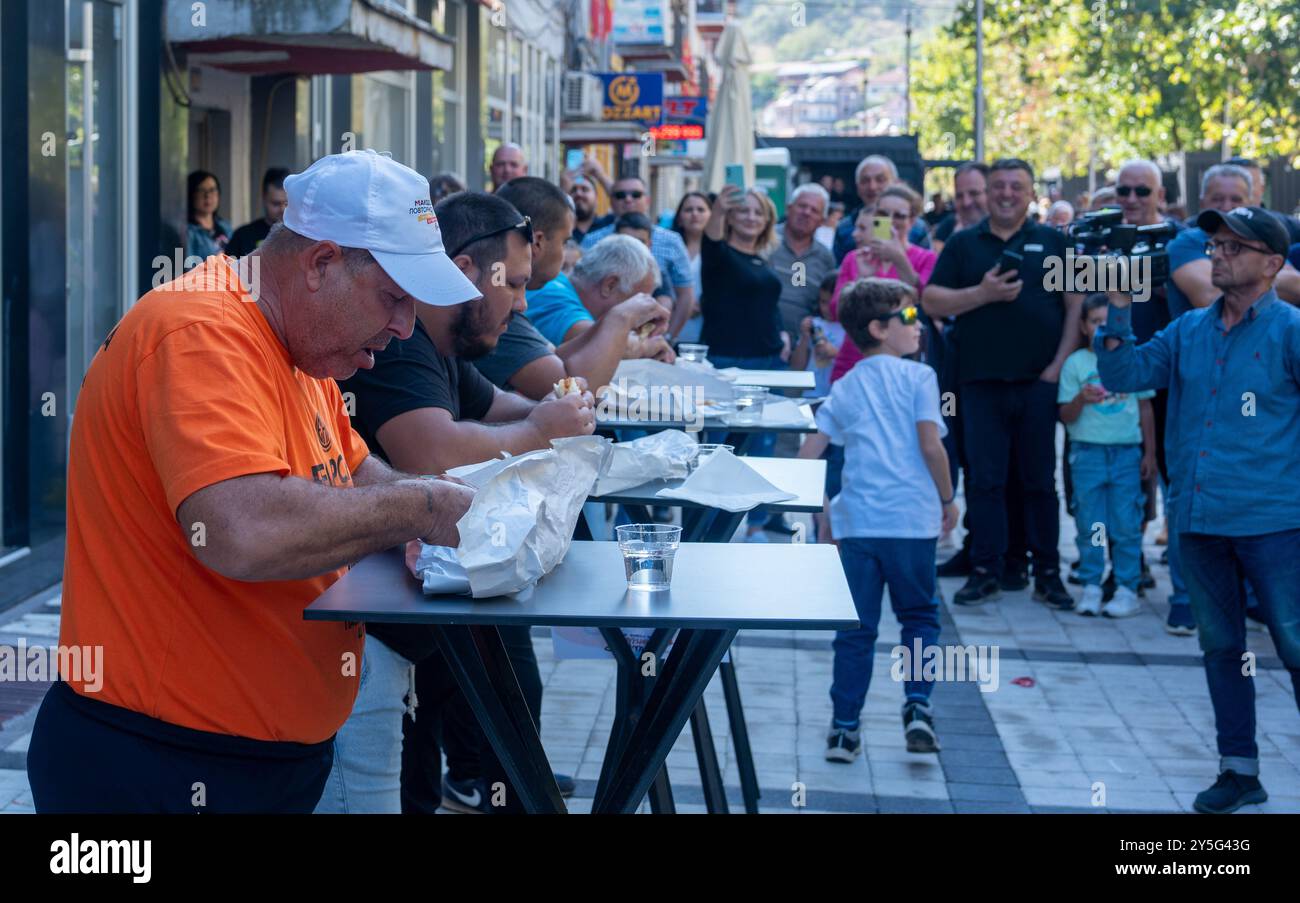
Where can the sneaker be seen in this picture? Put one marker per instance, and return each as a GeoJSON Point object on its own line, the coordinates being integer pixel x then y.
{"type": "Point", "coordinates": [1015, 576]}
{"type": "Point", "coordinates": [918, 728]}
{"type": "Point", "coordinates": [1229, 793]}
{"type": "Point", "coordinates": [568, 786]}
{"type": "Point", "coordinates": [1048, 588]}
{"type": "Point", "coordinates": [464, 796]}
{"type": "Point", "coordinates": [1090, 602]}
{"type": "Point", "coordinates": [842, 744]}
{"type": "Point", "coordinates": [1124, 605]}
{"type": "Point", "coordinates": [1180, 621]}
{"type": "Point", "coordinates": [980, 587]}
{"type": "Point", "coordinates": [957, 566]}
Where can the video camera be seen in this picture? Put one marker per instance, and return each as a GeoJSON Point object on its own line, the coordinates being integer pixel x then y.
{"type": "Point", "coordinates": [1103, 234]}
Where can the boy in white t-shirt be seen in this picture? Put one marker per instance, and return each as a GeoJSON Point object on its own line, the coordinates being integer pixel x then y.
{"type": "Point", "coordinates": [896, 500]}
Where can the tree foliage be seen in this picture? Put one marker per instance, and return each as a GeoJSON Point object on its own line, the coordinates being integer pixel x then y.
{"type": "Point", "coordinates": [1121, 77]}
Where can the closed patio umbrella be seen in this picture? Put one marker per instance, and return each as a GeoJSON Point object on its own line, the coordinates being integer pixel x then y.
{"type": "Point", "coordinates": [730, 130]}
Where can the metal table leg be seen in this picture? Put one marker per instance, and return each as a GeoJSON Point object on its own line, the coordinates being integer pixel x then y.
{"type": "Point", "coordinates": [478, 658]}
{"type": "Point", "coordinates": [706, 754]}
{"type": "Point", "coordinates": [679, 687]}
{"type": "Point", "coordinates": [630, 694]}
{"type": "Point", "coordinates": [740, 737]}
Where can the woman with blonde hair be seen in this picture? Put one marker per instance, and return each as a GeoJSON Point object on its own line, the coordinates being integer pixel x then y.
{"type": "Point", "coordinates": [742, 325]}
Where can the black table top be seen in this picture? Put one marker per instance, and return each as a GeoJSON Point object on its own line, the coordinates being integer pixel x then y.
{"type": "Point", "coordinates": [805, 478]}
{"type": "Point", "coordinates": [716, 586]}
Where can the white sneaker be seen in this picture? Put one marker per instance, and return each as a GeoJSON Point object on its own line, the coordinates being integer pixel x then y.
{"type": "Point", "coordinates": [1124, 605]}
{"type": "Point", "coordinates": [1090, 604]}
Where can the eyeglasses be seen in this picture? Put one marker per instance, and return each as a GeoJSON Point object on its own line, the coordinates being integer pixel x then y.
{"type": "Point", "coordinates": [895, 215]}
{"type": "Point", "coordinates": [624, 195]}
{"type": "Point", "coordinates": [908, 315]}
{"type": "Point", "coordinates": [1141, 191]}
{"type": "Point", "coordinates": [526, 227]}
{"type": "Point", "coordinates": [1232, 248]}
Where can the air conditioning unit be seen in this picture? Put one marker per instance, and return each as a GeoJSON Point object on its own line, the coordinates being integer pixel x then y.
{"type": "Point", "coordinates": [582, 97]}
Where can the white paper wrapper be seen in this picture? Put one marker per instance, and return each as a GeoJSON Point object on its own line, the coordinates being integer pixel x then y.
{"type": "Point", "coordinates": [651, 374]}
{"type": "Point", "coordinates": [725, 481]}
{"type": "Point", "coordinates": [665, 455]}
{"type": "Point", "coordinates": [521, 521]}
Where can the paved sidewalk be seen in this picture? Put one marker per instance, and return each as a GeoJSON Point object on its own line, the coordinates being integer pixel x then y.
{"type": "Point", "coordinates": [1089, 715]}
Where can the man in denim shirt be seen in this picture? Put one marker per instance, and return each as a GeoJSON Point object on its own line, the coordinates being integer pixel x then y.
{"type": "Point", "coordinates": [1232, 443]}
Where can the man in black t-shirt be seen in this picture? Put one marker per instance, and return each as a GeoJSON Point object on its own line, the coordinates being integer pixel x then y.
{"type": "Point", "coordinates": [425, 408]}
{"type": "Point", "coordinates": [1015, 335]}
{"type": "Point", "coordinates": [248, 236]}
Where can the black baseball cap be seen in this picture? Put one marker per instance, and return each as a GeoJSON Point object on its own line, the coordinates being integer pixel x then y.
{"type": "Point", "coordinates": [1249, 222]}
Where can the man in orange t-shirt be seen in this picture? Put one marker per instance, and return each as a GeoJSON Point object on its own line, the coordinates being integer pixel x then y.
{"type": "Point", "coordinates": [210, 450]}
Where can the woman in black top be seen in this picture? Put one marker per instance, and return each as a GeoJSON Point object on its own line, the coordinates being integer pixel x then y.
{"type": "Point", "coordinates": [741, 324]}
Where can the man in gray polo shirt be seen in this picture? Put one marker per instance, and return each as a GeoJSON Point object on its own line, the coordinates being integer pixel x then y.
{"type": "Point", "coordinates": [800, 261]}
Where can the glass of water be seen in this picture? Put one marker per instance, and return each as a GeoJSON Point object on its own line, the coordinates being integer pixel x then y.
{"type": "Point", "coordinates": [706, 449]}
{"type": "Point", "coordinates": [648, 551]}
{"type": "Point", "coordinates": [687, 351]}
{"type": "Point", "coordinates": [749, 401]}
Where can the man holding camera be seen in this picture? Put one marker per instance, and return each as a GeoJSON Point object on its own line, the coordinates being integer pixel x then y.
{"type": "Point", "coordinates": [1015, 336]}
{"type": "Point", "coordinates": [1233, 374]}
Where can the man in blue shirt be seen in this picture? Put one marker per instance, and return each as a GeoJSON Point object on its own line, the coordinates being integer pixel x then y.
{"type": "Point", "coordinates": [1232, 444]}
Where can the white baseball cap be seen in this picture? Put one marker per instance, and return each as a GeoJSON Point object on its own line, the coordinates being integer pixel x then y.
{"type": "Point", "coordinates": [362, 199]}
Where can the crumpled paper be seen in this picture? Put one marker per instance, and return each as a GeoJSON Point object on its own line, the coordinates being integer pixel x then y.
{"type": "Point", "coordinates": [521, 521]}
{"type": "Point", "coordinates": [724, 481]}
{"type": "Point", "coordinates": [666, 455]}
{"type": "Point", "coordinates": [785, 412]}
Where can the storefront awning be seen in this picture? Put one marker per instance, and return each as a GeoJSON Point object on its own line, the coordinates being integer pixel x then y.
{"type": "Point", "coordinates": [323, 37]}
{"type": "Point", "coordinates": [600, 132]}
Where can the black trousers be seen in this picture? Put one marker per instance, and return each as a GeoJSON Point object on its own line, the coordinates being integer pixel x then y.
{"type": "Point", "coordinates": [444, 721]}
{"type": "Point", "coordinates": [87, 756]}
{"type": "Point", "coordinates": [1002, 423]}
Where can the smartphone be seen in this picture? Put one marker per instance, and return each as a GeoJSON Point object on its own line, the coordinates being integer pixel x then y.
{"type": "Point", "coordinates": [882, 228]}
{"type": "Point", "coordinates": [1010, 260]}
{"type": "Point", "coordinates": [736, 175]}
{"type": "Point", "coordinates": [573, 160]}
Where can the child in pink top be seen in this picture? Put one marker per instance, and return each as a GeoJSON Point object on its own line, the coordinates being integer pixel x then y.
{"type": "Point", "coordinates": [892, 259]}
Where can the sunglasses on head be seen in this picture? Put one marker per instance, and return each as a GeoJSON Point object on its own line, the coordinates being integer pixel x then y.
{"type": "Point", "coordinates": [526, 227]}
{"type": "Point", "coordinates": [624, 195]}
{"type": "Point", "coordinates": [907, 315]}
{"type": "Point", "coordinates": [1141, 191]}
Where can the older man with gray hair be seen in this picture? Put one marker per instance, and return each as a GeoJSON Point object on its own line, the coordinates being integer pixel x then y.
{"type": "Point", "coordinates": [603, 300]}
{"type": "Point", "coordinates": [799, 260]}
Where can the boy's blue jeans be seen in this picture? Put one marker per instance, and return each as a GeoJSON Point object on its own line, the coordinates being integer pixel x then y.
{"type": "Point", "coordinates": [1215, 568]}
{"type": "Point", "coordinates": [1108, 491]}
{"type": "Point", "coordinates": [907, 567]}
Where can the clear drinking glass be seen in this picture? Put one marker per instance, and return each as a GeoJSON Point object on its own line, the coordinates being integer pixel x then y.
{"type": "Point", "coordinates": [648, 551]}
{"type": "Point", "coordinates": [749, 401]}
{"type": "Point", "coordinates": [687, 351]}
{"type": "Point", "coordinates": [706, 449]}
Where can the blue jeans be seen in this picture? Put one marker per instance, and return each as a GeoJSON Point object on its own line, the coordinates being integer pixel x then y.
{"type": "Point", "coordinates": [906, 566]}
{"type": "Point", "coordinates": [1178, 596]}
{"type": "Point", "coordinates": [1214, 568]}
{"type": "Point", "coordinates": [1108, 491]}
{"type": "Point", "coordinates": [367, 772]}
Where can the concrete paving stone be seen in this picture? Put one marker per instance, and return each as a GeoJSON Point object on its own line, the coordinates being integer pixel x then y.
{"type": "Point", "coordinates": [1053, 762]}
{"type": "Point", "coordinates": [1058, 796]}
{"type": "Point", "coordinates": [914, 806]}
{"type": "Point", "coordinates": [996, 793]}
{"type": "Point", "coordinates": [1121, 797]}
{"type": "Point", "coordinates": [989, 807]}
{"type": "Point", "coordinates": [922, 789]}
{"type": "Point", "coordinates": [923, 768]}
{"type": "Point", "coordinates": [971, 742]}
{"type": "Point", "coordinates": [1058, 780]}
{"type": "Point", "coordinates": [20, 745]}
{"type": "Point", "coordinates": [1094, 763]}
{"type": "Point", "coordinates": [975, 775]}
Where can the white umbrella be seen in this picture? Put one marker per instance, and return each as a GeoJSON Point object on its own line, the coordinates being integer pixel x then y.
{"type": "Point", "coordinates": [730, 130]}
